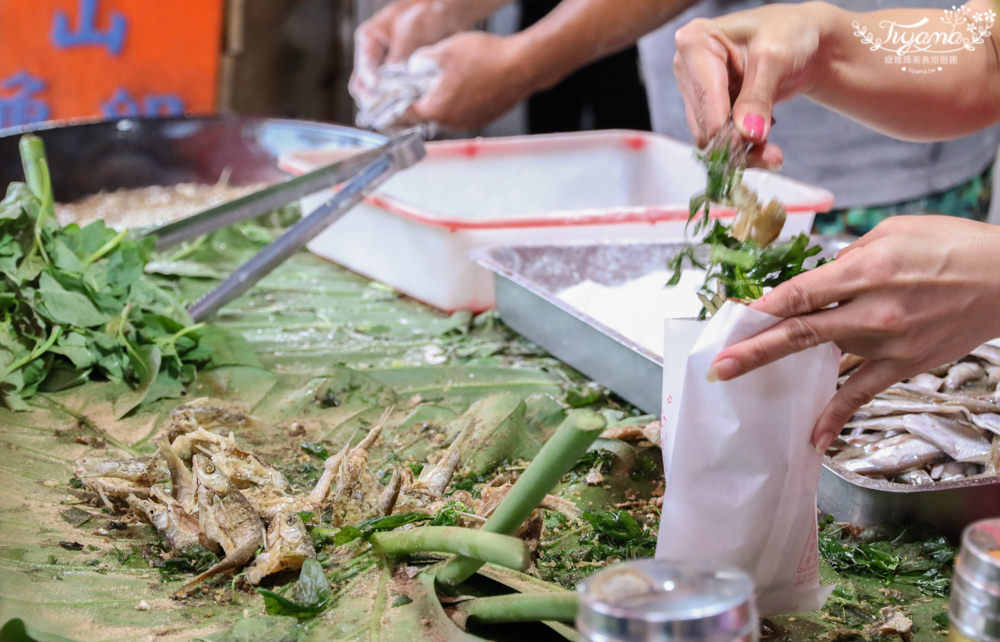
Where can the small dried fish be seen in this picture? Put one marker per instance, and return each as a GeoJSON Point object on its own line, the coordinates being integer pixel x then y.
{"type": "Point", "coordinates": [989, 421]}
{"type": "Point", "coordinates": [356, 494]}
{"type": "Point", "coordinates": [961, 442]}
{"type": "Point", "coordinates": [926, 381]}
{"type": "Point", "coordinates": [226, 517]}
{"type": "Point", "coordinates": [953, 470]}
{"type": "Point", "coordinates": [988, 353]}
{"type": "Point", "coordinates": [287, 546]}
{"type": "Point", "coordinates": [882, 407]}
{"type": "Point", "coordinates": [875, 424]}
{"type": "Point", "coordinates": [115, 480]}
{"type": "Point", "coordinates": [961, 374]}
{"type": "Point", "coordinates": [387, 501]}
{"type": "Point", "coordinates": [181, 480]}
{"type": "Point", "coordinates": [178, 526]}
{"type": "Point", "coordinates": [915, 477]}
{"type": "Point", "coordinates": [891, 456]}
{"type": "Point", "coordinates": [201, 413]}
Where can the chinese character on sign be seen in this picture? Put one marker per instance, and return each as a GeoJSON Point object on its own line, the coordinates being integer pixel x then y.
{"type": "Point", "coordinates": [164, 105]}
{"type": "Point", "coordinates": [87, 32]}
{"type": "Point", "coordinates": [110, 58]}
{"type": "Point", "coordinates": [21, 108]}
{"type": "Point", "coordinates": [122, 104]}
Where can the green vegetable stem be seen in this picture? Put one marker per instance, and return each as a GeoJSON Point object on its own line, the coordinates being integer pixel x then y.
{"type": "Point", "coordinates": [555, 459]}
{"type": "Point", "coordinates": [522, 607]}
{"type": "Point", "coordinates": [483, 546]}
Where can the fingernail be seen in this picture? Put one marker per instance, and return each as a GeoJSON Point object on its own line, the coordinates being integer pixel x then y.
{"type": "Point", "coordinates": [824, 443]}
{"type": "Point", "coordinates": [722, 369]}
{"type": "Point", "coordinates": [754, 124]}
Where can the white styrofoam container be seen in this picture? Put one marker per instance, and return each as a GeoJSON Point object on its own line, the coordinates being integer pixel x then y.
{"type": "Point", "coordinates": [416, 232]}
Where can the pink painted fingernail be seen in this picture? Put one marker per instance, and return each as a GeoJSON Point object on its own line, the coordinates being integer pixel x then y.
{"type": "Point", "coordinates": [754, 124]}
{"type": "Point", "coordinates": [824, 443]}
{"type": "Point", "coordinates": [722, 369]}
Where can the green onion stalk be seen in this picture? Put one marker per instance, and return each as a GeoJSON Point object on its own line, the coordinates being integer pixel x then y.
{"type": "Point", "coordinates": [559, 606]}
{"type": "Point", "coordinates": [557, 457]}
{"type": "Point", "coordinates": [502, 550]}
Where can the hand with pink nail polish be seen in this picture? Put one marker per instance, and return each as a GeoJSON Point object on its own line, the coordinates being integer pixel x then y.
{"type": "Point", "coordinates": [915, 292]}
{"type": "Point", "coordinates": [742, 63]}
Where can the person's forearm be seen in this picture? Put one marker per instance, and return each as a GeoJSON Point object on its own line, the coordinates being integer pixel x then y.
{"type": "Point", "coordinates": [578, 32]}
{"type": "Point", "coordinates": [955, 98]}
{"type": "Point", "coordinates": [469, 12]}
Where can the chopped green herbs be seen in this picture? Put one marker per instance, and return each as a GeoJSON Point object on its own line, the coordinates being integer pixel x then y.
{"type": "Point", "coordinates": [618, 534]}
{"type": "Point", "coordinates": [905, 558]}
{"type": "Point", "coordinates": [315, 448]}
{"type": "Point", "coordinates": [192, 559]}
{"type": "Point", "coordinates": [724, 164]}
{"type": "Point", "coordinates": [375, 525]}
{"type": "Point", "coordinates": [738, 266]}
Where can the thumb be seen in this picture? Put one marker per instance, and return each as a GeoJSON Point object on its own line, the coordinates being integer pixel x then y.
{"type": "Point", "coordinates": [752, 111]}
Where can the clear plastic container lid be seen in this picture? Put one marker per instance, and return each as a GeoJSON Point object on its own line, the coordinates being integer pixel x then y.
{"type": "Point", "coordinates": [668, 601]}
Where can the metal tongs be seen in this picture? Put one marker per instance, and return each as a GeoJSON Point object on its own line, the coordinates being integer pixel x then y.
{"type": "Point", "coordinates": [363, 173]}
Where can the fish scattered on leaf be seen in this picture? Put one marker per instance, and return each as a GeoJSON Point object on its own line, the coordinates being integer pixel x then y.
{"type": "Point", "coordinates": [228, 500]}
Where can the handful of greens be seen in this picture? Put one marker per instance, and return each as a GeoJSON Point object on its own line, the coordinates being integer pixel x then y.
{"type": "Point", "coordinates": [741, 262]}
{"type": "Point", "coordinates": [75, 306]}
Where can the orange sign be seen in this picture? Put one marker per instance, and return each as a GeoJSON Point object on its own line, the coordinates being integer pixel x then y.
{"type": "Point", "coordinates": [72, 58]}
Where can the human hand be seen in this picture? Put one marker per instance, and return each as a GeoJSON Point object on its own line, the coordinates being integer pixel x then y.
{"type": "Point", "coordinates": [742, 64]}
{"type": "Point", "coordinates": [399, 29]}
{"type": "Point", "coordinates": [482, 76]}
{"type": "Point", "coordinates": [915, 292]}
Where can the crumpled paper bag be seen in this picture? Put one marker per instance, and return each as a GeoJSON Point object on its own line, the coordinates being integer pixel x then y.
{"type": "Point", "coordinates": [389, 90]}
{"type": "Point", "coordinates": [741, 472]}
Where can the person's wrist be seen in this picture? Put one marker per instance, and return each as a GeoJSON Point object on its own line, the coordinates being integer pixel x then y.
{"type": "Point", "coordinates": [515, 57]}
{"type": "Point", "coordinates": [535, 59]}
{"type": "Point", "coordinates": [830, 21]}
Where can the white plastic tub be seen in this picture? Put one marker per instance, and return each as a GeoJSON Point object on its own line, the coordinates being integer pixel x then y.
{"type": "Point", "coordinates": [415, 234]}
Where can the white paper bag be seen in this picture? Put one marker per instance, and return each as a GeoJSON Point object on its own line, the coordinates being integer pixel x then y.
{"type": "Point", "coordinates": [741, 470]}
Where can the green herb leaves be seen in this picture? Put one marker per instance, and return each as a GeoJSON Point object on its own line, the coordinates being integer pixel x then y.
{"type": "Point", "coordinates": [739, 266]}
{"type": "Point", "coordinates": [920, 559]}
{"type": "Point", "coordinates": [75, 305]}
{"type": "Point", "coordinates": [307, 597]}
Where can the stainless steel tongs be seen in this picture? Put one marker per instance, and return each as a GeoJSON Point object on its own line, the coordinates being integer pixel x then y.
{"type": "Point", "coordinates": [363, 173]}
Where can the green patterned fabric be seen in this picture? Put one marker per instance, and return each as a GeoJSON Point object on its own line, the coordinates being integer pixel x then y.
{"type": "Point", "coordinates": [971, 199]}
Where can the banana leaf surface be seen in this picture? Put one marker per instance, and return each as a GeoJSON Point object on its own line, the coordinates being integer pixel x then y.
{"type": "Point", "coordinates": [318, 354]}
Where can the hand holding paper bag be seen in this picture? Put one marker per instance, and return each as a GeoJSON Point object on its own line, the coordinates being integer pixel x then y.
{"type": "Point", "coordinates": [741, 471]}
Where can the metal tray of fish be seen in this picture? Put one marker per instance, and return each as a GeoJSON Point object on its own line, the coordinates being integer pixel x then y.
{"type": "Point", "coordinates": [600, 309]}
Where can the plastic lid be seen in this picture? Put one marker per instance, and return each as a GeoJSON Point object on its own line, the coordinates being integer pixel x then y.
{"type": "Point", "coordinates": [668, 601]}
